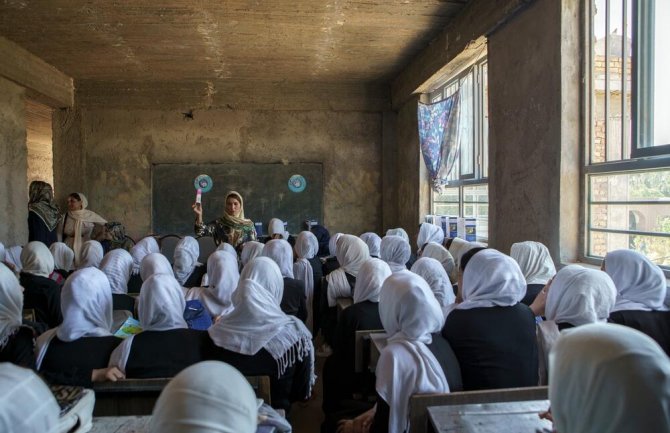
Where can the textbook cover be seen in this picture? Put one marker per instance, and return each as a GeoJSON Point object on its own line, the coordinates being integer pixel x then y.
{"type": "Point", "coordinates": [129, 327]}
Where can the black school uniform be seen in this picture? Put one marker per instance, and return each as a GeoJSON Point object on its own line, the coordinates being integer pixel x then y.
{"type": "Point", "coordinates": [20, 348]}
{"type": "Point", "coordinates": [42, 294]}
{"type": "Point", "coordinates": [655, 324]}
{"type": "Point", "coordinates": [293, 301]}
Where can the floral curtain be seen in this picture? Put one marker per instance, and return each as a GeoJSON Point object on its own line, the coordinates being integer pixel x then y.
{"type": "Point", "coordinates": [439, 137]}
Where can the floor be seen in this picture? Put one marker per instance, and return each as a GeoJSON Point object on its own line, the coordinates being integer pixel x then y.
{"type": "Point", "coordinates": [307, 417]}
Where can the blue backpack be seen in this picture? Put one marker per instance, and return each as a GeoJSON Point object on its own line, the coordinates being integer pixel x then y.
{"type": "Point", "coordinates": [196, 316]}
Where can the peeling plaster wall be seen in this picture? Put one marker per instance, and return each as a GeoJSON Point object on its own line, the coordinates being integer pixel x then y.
{"type": "Point", "coordinates": [113, 150]}
{"type": "Point", "coordinates": [13, 165]}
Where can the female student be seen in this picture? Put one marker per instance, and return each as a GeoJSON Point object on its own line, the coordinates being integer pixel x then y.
{"type": "Point", "coordinates": [442, 255]}
{"type": "Point", "coordinates": [396, 252]}
{"type": "Point", "coordinates": [307, 268]}
{"type": "Point", "coordinates": [429, 233]}
{"type": "Point", "coordinates": [154, 263]}
{"type": "Point", "coordinates": [223, 276]}
{"type": "Point", "coordinates": [433, 272]}
{"type": "Point", "coordinates": [43, 214]}
{"type": "Point", "coordinates": [276, 229]}
{"type": "Point", "coordinates": [16, 341]}
{"type": "Point", "coordinates": [41, 293]}
{"type": "Point", "coordinates": [536, 264]}
{"type": "Point", "coordinates": [258, 338]}
{"type": "Point", "coordinates": [166, 345]}
{"type": "Point", "coordinates": [139, 251]}
{"type": "Point", "coordinates": [641, 290]}
{"type": "Point", "coordinates": [118, 266]}
{"type": "Point", "coordinates": [609, 378]}
{"type": "Point", "coordinates": [491, 332]}
{"type": "Point", "coordinates": [373, 241]}
{"type": "Point", "coordinates": [232, 227]}
{"type": "Point", "coordinates": [186, 268]}
{"type": "Point", "coordinates": [80, 347]}
{"type": "Point", "coordinates": [78, 223]}
{"type": "Point", "coordinates": [323, 236]}
{"type": "Point", "coordinates": [250, 251]}
{"type": "Point", "coordinates": [63, 259]}
{"type": "Point", "coordinates": [91, 255]}
{"type": "Point", "coordinates": [293, 300]}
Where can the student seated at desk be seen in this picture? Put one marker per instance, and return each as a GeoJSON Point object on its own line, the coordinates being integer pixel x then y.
{"type": "Point", "coordinates": [330, 262]}
{"type": "Point", "coordinates": [340, 380]}
{"type": "Point", "coordinates": [259, 339]}
{"type": "Point", "coordinates": [154, 263]}
{"type": "Point", "coordinates": [293, 300]}
{"type": "Point", "coordinates": [166, 345]}
{"type": "Point", "coordinates": [194, 403]}
{"type": "Point", "coordinates": [223, 275]}
{"type": "Point", "coordinates": [63, 261]}
{"type": "Point", "coordinates": [641, 290]}
{"type": "Point", "coordinates": [537, 267]}
{"type": "Point", "coordinates": [416, 359]}
{"type": "Point", "coordinates": [307, 268]}
{"type": "Point", "coordinates": [374, 243]}
{"type": "Point", "coordinates": [428, 233]}
{"type": "Point", "coordinates": [118, 266]}
{"type": "Point", "coordinates": [250, 251]}
{"type": "Point", "coordinates": [77, 351]}
{"type": "Point", "coordinates": [491, 332]}
{"type": "Point", "coordinates": [433, 272]}
{"type": "Point", "coordinates": [186, 268]}
{"type": "Point", "coordinates": [395, 251]}
{"type": "Point", "coordinates": [139, 251]}
{"type": "Point", "coordinates": [16, 341]}
{"type": "Point", "coordinates": [91, 255]}
{"type": "Point", "coordinates": [608, 378]}
{"type": "Point", "coordinates": [41, 293]}
{"type": "Point", "coordinates": [442, 255]}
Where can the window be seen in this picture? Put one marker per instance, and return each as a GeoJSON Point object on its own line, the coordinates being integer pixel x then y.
{"type": "Point", "coordinates": [628, 161]}
{"type": "Point", "coordinates": [466, 190]}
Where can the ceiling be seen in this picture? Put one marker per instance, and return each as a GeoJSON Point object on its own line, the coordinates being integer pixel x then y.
{"type": "Point", "coordinates": [256, 40]}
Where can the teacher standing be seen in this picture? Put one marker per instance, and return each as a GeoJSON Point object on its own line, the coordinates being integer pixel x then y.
{"type": "Point", "coordinates": [232, 227]}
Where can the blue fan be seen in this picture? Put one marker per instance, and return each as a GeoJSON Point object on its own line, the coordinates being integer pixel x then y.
{"type": "Point", "coordinates": [297, 183]}
{"type": "Point", "coordinates": [203, 183]}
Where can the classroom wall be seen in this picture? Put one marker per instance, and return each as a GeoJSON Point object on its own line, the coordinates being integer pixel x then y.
{"type": "Point", "coordinates": [13, 165]}
{"type": "Point", "coordinates": [107, 154]}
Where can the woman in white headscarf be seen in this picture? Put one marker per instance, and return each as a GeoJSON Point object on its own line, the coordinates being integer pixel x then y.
{"type": "Point", "coordinates": [63, 259]}
{"type": "Point", "coordinates": [166, 345]}
{"type": "Point", "coordinates": [91, 255]}
{"type": "Point", "coordinates": [307, 268]}
{"type": "Point", "coordinates": [373, 241]}
{"type": "Point", "coordinates": [186, 268]}
{"type": "Point", "coordinates": [398, 232]}
{"type": "Point", "coordinates": [223, 276]}
{"type": "Point", "coordinates": [41, 293]}
{"type": "Point", "coordinates": [576, 296]}
{"type": "Point", "coordinates": [411, 363]}
{"type": "Point", "coordinates": [78, 223]}
{"type": "Point", "coordinates": [2, 252]}
{"type": "Point", "coordinates": [139, 251]}
{"type": "Point", "coordinates": [536, 264]}
{"type": "Point", "coordinates": [194, 403]}
{"type": "Point", "coordinates": [641, 291]}
{"type": "Point", "coordinates": [258, 336]}
{"type": "Point", "coordinates": [81, 345]}
{"type": "Point", "coordinates": [340, 380]}
{"type": "Point", "coordinates": [442, 255]}
{"type": "Point", "coordinates": [277, 230]}
{"type": "Point", "coordinates": [607, 378]}
{"type": "Point", "coordinates": [429, 233]}
{"type": "Point", "coordinates": [491, 332]}
{"type": "Point", "coordinates": [13, 258]}
{"type": "Point", "coordinates": [16, 341]}
{"type": "Point", "coordinates": [330, 262]}
{"type": "Point", "coordinates": [395, 251]}
{"type": "Point", "coordinates": [294, 300]}
{"type": "Point", "coordinates": [155, 263]}
{"type": "Point", "coordinates": [250, 251]}
{"type": "Point", "coordinates": [433, 272]}
{"type": "Point", "coordinates": [26, 403]}
{"type": "Point", "coordinates": [118, 266]}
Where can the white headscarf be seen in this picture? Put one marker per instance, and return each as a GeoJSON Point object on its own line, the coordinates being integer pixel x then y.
{"type": "Point", "coordinates": [280, 251]}
{"type": "Point", "coordinates": [194, 403]}
{"type": "Point", "coordinates": [26, 403]}
{"type": "Point", "coordinates": [433, 272]}
{"type": "Point", "coordinates": [640, 284]}
{"type": "Point", "coordinates": [442, 255]}
{"type": "Point", "coordinates": [410, 314]}
{"type": "Point", "coordinates": [91, 255]}
{"type": "Point", "coordinates": [154, 263]}
{"type": "Point", "coordinates": [609, 378]}
{"type": "Point", "coordinates": [185, 258]}
{"type": "Point", "coordinates": [459, 247]}
{"type": "Point", "coordinates": [396, 252]}
{"type": "Point", "coordinates": [63, 256]}
{"type": "Point", "coordinates": [160, 307]}
{"type": "Point", "coordinates": [225, 246]}
{"type": "Point", "coordinates": [37, 259]}
{"type": "Point", "coordinates": [11, 304]}
{"type": "Point", "coordinates": [2, 252]}
{"type": "Point", "coordinates": [258, 322]}
{"type": "Point", "coordinates": [373, 241]}
{"type": "Point", "coordinates": [369, 282]}
{"type": "Point", "coordinates": [276, 227]}
{"type": "Point", "coordinates": [144, 247]}
{"type": "Point", "coordinates": [398, 232]}
{"type": "Point", "coordinates": [250, 251]}
{"type": "Point", "coordinates": [223, 275]}
{"type": "Point", "coordinates": [491, 279]}
{"type": "Point", "coordinates": [579, 296]}
{"type": "Point", "coordinates": [332, 244]}
{"type": "Point", "coordinates": [13, 257]}
{"type": "Point", "coordinates": [117, 265]}
{"type": "Point", "coordinates": [86, 302]}
{"type": "Point", "coordinates": [351, 254]}
{"type": "Point", "coordinates": [306, 247]}
{"type": "Point", "coordinates": [534, 260]}
{"type": "Point", "coordinates": [80, 217]}
{"type": "Point", "coordinates": [429, 233]}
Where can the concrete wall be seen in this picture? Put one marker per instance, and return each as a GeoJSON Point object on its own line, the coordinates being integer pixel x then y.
{"type": "Point", "coordinates": [13, 166]}
{"type": "Point", "coordinates": [107, 155]}
{"type": "Point", "coordinates": [38, 137]}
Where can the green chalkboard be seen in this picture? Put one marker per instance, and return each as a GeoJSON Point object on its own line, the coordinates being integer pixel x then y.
{"type": "Point", "coordinates": [264, 187]}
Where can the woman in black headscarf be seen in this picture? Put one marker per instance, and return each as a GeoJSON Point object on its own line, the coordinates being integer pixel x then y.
{"type": "Point", "coordinates": [43, 213]}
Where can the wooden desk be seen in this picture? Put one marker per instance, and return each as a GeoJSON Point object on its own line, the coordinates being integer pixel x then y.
{"type": "Point", "coordinates": [378, 343]}
{"type": "Point", "coordinates": [517, 417]}
{"type": "Point", "coordinates": [138, 424]}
